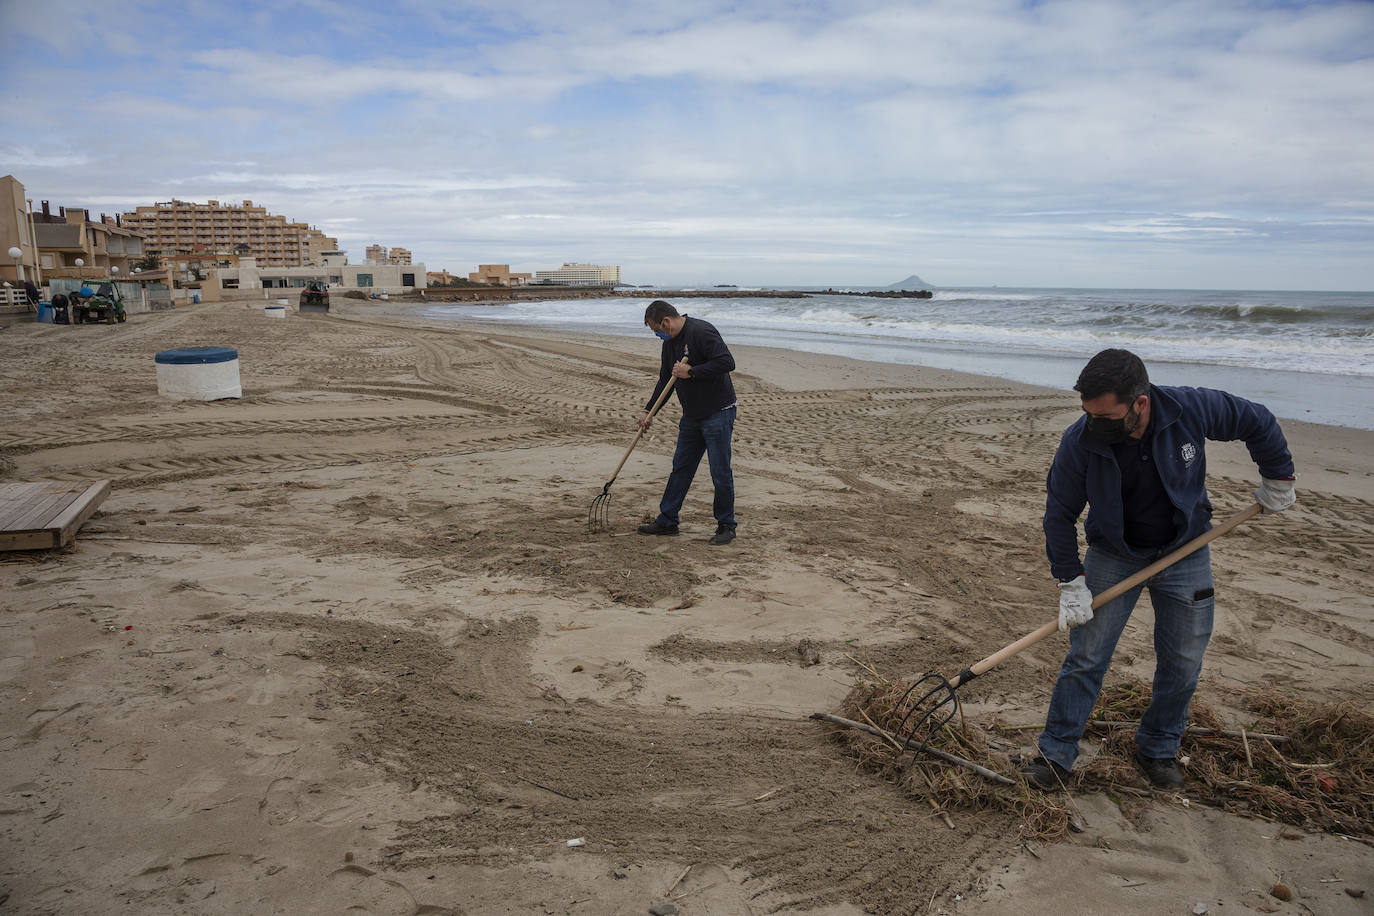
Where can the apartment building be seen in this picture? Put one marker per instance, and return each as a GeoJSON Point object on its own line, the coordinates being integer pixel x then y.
{"type": "Point", "coordinates": [497, 275]}
{"type": "Point", "coordinates": [102, 247]}
{"type": "Point", "coordinates": [380, 254]}
{"type": "Point", "coordinates": [179, 227]}
{"type": "Point", "coordinates": [50, 244]}
{"type": "Point", "coordinates": [579, 275]}
{"type": "Point", "coordinates": [16, 231]}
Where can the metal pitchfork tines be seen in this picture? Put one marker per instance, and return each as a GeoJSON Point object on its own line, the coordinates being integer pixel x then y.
{"type": "Point", "coordinates": [599, 516]}
{"type": "Point", "coordinates": [937, 701]}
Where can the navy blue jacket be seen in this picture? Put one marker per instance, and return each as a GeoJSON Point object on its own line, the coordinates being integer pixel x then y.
{"type": "Point", "coordinates": [1085, 471]}
{"type": "Point", "coordinates": [709, 389]}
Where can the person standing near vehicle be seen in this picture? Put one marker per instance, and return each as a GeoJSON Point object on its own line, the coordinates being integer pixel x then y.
{"type": "Point", "coordinates": [1136, 459]}
{"type": "Point", "coordinates": [694, 354]}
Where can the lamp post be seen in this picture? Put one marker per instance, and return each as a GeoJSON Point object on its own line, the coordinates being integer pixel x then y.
{"type": "Point", "coordinates": [33, 240]}
{"type": "Point", "coordinates": [17, 253]}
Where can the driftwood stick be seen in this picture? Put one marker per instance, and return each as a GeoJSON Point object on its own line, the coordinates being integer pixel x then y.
{"type": "Point", "coordinates": [672, 887]}
{"type": "Point", "coordinates": [1194, 730]}
{"type": "Point", "coordinates": [917, 745]}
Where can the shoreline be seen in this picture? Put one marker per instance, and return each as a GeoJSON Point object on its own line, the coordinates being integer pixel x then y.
{"type": "Point", "coordinates": [1293, 396]}
{"type": "Point", "coordinates": [348, 638]}
{"type": "Point", "coordinates": [1309, 442]}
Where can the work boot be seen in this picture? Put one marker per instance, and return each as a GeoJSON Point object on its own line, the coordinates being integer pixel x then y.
{"type": "Point", "coordinates": [1045, 774]}
{"type": "Point", "coordinates": [655, 527]}
{"type": "Point", "coordinates": [1163, 772]}
{"type": "Point", "coordinates": [724, 535]}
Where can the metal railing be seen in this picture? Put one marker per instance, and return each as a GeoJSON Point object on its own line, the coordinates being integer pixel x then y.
{"type": "Point", "coordinates": [13, 297]}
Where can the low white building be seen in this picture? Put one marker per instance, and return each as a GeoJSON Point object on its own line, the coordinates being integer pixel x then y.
{"type": "Point", "coordinates": [334, 270]}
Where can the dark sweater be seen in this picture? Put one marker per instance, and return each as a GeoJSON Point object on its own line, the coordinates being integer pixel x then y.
{"type": "Point", "coordinates": [709, 389]}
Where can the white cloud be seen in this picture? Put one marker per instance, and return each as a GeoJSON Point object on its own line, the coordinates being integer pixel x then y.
{"type": "Point", "coordinates": [1012, 139]}
{"type": "Point", "coordinates": [315, 78]}
{"type": "Point", "coordinates": [19, 157]}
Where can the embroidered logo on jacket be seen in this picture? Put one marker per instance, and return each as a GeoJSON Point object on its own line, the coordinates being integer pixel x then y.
{"type": "Point", "coordinates": [1189, 454]}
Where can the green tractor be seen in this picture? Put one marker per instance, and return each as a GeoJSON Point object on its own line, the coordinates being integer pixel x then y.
{"type": "Point", "coordinates": [101, 304]}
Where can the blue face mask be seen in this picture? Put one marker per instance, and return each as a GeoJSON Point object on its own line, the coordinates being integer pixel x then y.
{"type": "Point", "coordinates": [662, 335]}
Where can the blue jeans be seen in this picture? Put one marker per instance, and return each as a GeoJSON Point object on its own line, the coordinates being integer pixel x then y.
{"type": "Point", "coordinates": [1183, 603]}
{"type": "Point", "coordinates": [709, 436]}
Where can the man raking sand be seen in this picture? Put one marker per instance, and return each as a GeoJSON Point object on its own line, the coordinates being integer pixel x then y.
{"type": "Point", "coordinates": [695, 356]}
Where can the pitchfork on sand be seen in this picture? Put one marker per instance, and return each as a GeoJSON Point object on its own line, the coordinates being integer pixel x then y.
{"type": "Point", "coordinates": [939, 703]}
{"type": "Point", "coordinates": [599, 517]}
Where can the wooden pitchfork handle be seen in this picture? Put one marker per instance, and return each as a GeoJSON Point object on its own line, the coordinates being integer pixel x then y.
{"type": "Point", "coordinates": [653, 412]}
{"type": "Point", "coordinates": [1115, 591]}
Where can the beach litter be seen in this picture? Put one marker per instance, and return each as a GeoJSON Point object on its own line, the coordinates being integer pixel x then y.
{"type": "Point", "coordinates": [1298, 762]}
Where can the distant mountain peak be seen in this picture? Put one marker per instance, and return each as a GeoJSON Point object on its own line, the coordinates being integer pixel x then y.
{"type": "Point", "coordinates": [911, 282]}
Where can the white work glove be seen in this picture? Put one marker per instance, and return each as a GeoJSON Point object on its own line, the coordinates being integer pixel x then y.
{"type": "Point", "coordinates": [1275, 495]}
{"type": "Point", "coordinates": [1075, 604]}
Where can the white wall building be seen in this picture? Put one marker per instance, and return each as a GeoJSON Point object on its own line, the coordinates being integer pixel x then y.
{"type": "Point", "coordinates": [339, 275]}
{"type": "Point", "coordinates": [580, 275]}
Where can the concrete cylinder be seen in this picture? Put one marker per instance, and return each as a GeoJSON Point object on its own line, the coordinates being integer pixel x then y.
{"type": "Point", "coordinates": [199, 374]}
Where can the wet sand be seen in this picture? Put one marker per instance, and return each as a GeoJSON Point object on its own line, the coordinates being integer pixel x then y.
{"type": "Point", "coordinates": [346, 642]}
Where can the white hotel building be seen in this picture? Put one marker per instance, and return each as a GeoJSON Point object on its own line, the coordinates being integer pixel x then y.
{"type": "Point", "coordinates": [579, 275]}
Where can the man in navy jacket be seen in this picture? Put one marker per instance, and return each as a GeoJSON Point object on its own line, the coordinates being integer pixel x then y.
{"type": "Point", "coordinates": [694, 353]}
{"type": "Point", "coordinates": [1136, 459]}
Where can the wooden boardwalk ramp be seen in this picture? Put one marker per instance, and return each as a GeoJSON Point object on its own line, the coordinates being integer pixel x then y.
{"type": "Point", "coordinates": [39, 516]}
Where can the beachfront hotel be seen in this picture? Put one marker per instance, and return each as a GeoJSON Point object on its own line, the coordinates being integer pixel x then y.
{"type": "Point", "coordinates": [178, 227]}
{"type": "Point", "coordinates": [579, 275]}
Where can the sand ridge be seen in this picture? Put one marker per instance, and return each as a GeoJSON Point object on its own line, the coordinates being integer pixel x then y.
{"type": "Point", "coordinates": [376, 661]}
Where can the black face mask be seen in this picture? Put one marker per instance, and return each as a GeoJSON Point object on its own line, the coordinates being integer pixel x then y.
{"type": "Point", "coordinates": [1113, 431]}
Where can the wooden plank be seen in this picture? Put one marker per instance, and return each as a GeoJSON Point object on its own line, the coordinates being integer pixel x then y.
{"type": "Point", "coordinates": [58, 496]}
{"type": "Point", "coordinates": [27, 540]}
{"type": "Point", "coordinates": [17, 512]}
{"type": "Point", "coordinates": [46, 514]}
{"type": "Point", "coordinates": [71, 520]}
{"type": "Point", "coordinates": [15, 497]}
{"type": "Point", "coordinates": [44, 510]}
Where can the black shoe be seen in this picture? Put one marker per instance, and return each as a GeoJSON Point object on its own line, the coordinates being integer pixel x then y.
{"type": "Point", "coordinates": [724, 535]}
{"type": "Point", "coordinates": [1045, 774]}
{"type": "Point", "coordinates": [655, 528]}
{"type": "Point", "coordinates": [1163, 772]}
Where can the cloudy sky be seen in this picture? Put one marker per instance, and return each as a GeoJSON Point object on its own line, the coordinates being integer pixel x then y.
{"type": "Point", "coordinates": [1204, 144]}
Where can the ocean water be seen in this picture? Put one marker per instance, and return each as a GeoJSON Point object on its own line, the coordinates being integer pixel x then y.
{"type": "Point", "coordinates": [1306, 355]}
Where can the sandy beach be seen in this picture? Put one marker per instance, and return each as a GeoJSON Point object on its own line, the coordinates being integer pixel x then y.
{"type": "Point", "coordinates": [346, 645]}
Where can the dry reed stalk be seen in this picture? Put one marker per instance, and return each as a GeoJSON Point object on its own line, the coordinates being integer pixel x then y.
{"type": "Point", "coordinates": [1323, 779]}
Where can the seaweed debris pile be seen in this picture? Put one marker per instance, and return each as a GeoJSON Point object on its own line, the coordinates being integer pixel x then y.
{"type": "Point", "coordinates": [1297, 762]}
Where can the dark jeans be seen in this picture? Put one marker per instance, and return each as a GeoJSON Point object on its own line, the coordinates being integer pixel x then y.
{"type": "Point", "coordinates": [709, 436]}
{"type": "Point", "coordinates": [1183, 605]}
